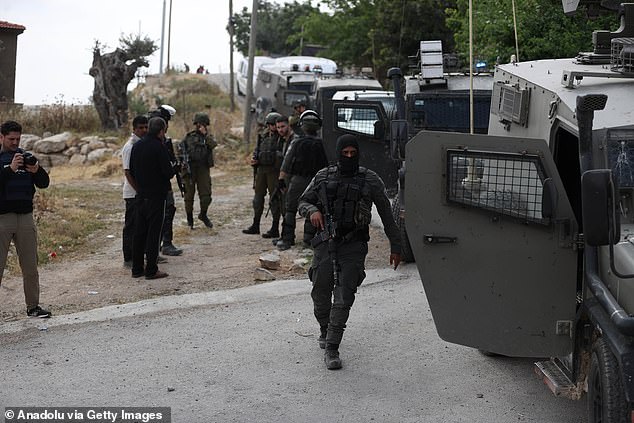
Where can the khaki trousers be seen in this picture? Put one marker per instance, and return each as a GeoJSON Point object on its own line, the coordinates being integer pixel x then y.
{"type": "Point", "coordinates": [20, 229]}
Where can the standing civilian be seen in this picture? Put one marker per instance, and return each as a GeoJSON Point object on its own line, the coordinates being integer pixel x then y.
{"type": "Point", "coordinates": [20, 173]}
{"type": "Point", "coordinates": [152, 170]}
{"type": "Point", "coordinates": [139, 129]}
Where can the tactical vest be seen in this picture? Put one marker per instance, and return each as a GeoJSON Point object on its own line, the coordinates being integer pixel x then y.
{"type": "Point", "coordinates": [197, 149]}
{"type": "Point", "coordinates": [20, 186]}
{"type": "Point", "coordinates": [269, 152]}
{"type": "Point", "coordinates": [309, 156]}
{"type": "Point", "coordinates": [348, 200]}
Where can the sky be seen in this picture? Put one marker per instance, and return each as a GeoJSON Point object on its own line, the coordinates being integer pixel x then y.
{"type": "Point", "coordinates": [55, 51]}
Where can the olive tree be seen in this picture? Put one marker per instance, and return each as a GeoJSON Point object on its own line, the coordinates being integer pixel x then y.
{"type": "Point", "coordinates": [112, 73]}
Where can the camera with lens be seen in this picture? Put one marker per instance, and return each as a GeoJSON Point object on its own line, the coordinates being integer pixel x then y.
{"type": "Point", "coordinates": [28, 159]}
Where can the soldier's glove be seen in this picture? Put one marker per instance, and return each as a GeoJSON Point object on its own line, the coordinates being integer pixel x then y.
{"type": "Point", "coordinates": [281, 184]}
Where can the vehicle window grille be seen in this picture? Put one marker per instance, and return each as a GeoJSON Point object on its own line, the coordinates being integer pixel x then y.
{"type": "Point", "coordinates": [620, 154]}
{"type": "Point", "coordinates": [503, 183]}
{"type": "Point", "coordinates": [622, 55]}
{"type": "Point", "coordinates": [359, 119]}
{"type": "Point", "coordinates": [291, 97]}
{"type": "Point", "coordinates": [513, 104]}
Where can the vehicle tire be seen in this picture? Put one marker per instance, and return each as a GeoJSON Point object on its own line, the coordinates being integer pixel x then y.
{"type": "Point", "coordinates": [606, 397]}
{"type": "Point", "coordinates": [406, 249]}
{"type": "Point", "coordinates": [240, 93]}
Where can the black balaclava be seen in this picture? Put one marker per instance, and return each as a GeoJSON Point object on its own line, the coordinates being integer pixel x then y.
{"type": "Point", "coordinates": [347, 165]}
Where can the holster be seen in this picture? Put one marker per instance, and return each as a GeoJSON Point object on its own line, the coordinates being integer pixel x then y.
{"type": "Point", "coordinates": [322, 236]}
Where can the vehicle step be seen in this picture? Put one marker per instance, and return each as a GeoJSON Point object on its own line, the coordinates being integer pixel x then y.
{"type": "Point", "coordinates": [551, 373]}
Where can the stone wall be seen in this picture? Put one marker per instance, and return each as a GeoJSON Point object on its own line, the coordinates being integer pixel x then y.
{"type": "Point", "coordinates": [66, 148]}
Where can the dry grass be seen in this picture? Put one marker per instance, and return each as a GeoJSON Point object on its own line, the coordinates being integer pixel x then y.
{"type": "Point", "coordinates": [54, 118]}
{"type": "Point", "coordinates": [84, 203]}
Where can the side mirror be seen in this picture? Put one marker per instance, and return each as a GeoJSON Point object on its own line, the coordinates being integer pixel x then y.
{"type": "Point", "coordinates": [601, 225]}
{"type": "Point", "coordinates": [550, 198]}
{"type": "Point", "coordinates": [379, 130]}
{"type": "Point", "coordinates": [398, 138]}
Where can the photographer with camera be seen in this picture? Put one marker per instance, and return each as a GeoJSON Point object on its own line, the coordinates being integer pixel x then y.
{"type": "Point", "coordinates": [20, 173]}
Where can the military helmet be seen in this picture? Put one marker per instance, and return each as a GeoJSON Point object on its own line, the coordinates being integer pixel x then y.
{"type": "Point", "coordinates": [310, 121]}
{"type": "Point", "coordinates": [300, 102]}
{"type": "Point", "coordinates": [201, 119]}
{"type": "Point", "coordinates": [164, 111]}
{"type": "Point", "coordinates": [271, 118]}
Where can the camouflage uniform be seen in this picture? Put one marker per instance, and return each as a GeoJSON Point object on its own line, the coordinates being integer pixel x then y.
{"type": "Point", "coordinates": [197, 157]}
{"type": "Point", "coordinates": [269, 157]}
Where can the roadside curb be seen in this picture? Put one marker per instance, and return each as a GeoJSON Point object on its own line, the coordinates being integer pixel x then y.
{"type": "Point", "coordinates": [269, 290]}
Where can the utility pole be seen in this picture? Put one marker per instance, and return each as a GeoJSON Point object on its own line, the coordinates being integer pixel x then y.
{"type": "Point", "coordinates": [162, 39]}
{"type": "Point", "coordinates": [169, 36]}
{"type": "Point", "coordinates": [231, 80]}
{"type": "Point", "coordinates": [249, 96]}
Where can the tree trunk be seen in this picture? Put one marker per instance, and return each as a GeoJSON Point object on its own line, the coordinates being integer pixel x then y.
{"type": "Point", "coordinates": [110, 95]}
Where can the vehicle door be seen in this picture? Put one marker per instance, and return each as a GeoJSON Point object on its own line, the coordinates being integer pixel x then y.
{"type": "Point", "coordinates": [367, 120]}
{"type": "Point", "coordinates": [492, 231]}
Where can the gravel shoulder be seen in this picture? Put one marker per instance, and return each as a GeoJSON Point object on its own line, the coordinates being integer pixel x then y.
{"type": "Point", "coordinates": [213, 259]}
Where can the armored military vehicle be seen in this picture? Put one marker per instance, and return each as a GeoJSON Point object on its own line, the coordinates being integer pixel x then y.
{"type": "Point", "coordinates": [287, 79]}
{"type": "Point", "coordinates": [524, 238]}
{"type": "Point", "coordinates": [326, 86]}
{"type": "Point", "coordinates": [432, 99]}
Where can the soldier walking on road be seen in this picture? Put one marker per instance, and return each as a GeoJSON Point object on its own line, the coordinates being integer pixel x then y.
{"type": "Point", "coordinates": [196, 156]}
{"type": "Point", "coordinates": [338, 203]}
{"type": "Point", "coordinates": [304, 158]}
{"type": "Point", "coordinates": [267, 159]}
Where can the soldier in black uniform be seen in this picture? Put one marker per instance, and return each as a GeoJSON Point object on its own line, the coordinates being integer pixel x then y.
{"type": "Point", "coordinates": [338, 202]}
{"type": "Point", "coordinates": [303, 159]}
{"type": "Point", "coordinates": [166, 112]}
{"type": "Point", "coordinates": [196, 157]}
{"type": "Point", "coordinates": [267, 159]}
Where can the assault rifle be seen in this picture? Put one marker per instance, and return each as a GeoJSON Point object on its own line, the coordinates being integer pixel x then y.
{"type": "Point", "coordinates": [275, 196]}
{"type": "Point", "coordinates": [170, 151]}
{"type": "Point", "coordinates": [329, 233]}
{"type": "Point", "coordinates": [184, 168]}
{"type": "Point", "coordinates": [256, 154]}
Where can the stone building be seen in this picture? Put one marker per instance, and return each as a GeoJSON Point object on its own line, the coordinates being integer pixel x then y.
{"type": "Point", "coordinates": [8, 50]}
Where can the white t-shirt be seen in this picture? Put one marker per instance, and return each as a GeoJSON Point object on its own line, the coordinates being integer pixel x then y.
{"type": "Point", "coordinates": [126, 151]}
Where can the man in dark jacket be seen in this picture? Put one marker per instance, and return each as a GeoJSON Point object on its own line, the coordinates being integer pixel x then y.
{"type": "Point", "coordinates": [20, 173]}
{"type": "Point", "coordinates": [152, 170]}
{"type": "Point", "coordinates": [338, 203]}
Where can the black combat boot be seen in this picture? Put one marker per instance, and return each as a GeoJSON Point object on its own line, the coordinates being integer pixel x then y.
{"type": "Point", "coordinates": [273, 232]}
{"type": "Point", "coordinates": [169, 249]}
{"type": "Point", "coordinates": [331, 357]}
{"type": "Point", "coordinates": [322, 337]}
{"type": "Point", "coordinates": [254, 229]}
{"type": "Point", "coordinates": [283, 244]}
{"type": "Point", "coordinates": [190, 219]}
{"type": "Point", "coordinates": [203, 218]}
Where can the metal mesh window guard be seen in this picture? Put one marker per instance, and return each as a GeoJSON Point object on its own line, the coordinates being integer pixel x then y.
{"type": "Point", "coordinates": [620, 143]}
{"type": "Point", "coordinates": [509, 184]}
{"type": "Point", "coordinates": [357, 119]}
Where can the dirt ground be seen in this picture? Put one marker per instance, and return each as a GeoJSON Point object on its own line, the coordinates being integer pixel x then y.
{"type": "Point", "coordinates": [213, 259]}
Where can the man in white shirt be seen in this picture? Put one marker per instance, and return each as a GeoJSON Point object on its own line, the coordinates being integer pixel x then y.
{"type": "Point", "coordinates": [139, 129]}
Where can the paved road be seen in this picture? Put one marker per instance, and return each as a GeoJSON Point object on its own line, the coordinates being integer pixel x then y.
{"type": "Point", "coordinates": [251, 355]}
